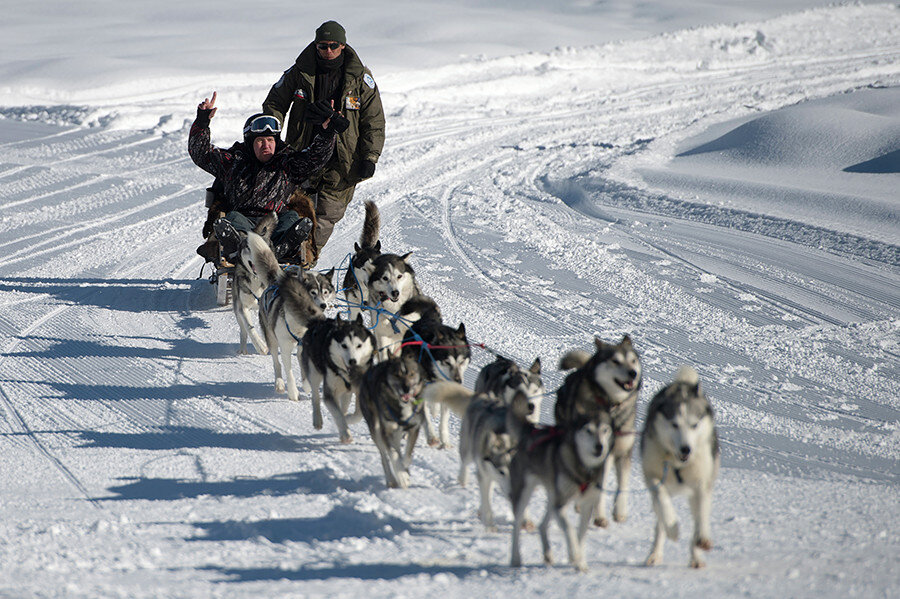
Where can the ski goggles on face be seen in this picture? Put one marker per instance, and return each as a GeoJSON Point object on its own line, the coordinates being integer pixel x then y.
{"type": "Point", "coordinates": [263, 124]}
{"type": "Point", "coordinates": [328, 45]}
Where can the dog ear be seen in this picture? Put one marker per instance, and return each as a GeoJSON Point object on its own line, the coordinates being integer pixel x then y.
{"type": "Point", "coordinates": [599, 343]}
{"type": "Point", "coordinates": [359, 319]}
{"type": "Point", "coordinates": [377, 246]}
{"type": "Point", "coordinates": [462, 329]}
{"type": "Point", "coordinates": [626, 342]}
{"type": "Point", "coordinates": [536, 366]}
{"type": "Point", "coordinates": [405, 257]}
{"type": "Point", "coordinates": [330, 274]}
{"type": "Point", "coordinates": [356, 247]}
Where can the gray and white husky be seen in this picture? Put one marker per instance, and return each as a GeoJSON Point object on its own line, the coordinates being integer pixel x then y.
{"type": "Point", "coordinates": [488, 437]}
{"type": "Point", "coordinates": [388, 398]}
{"type": "Point", "coordinates": [607, 381]}
{"type": "Point", "coordinates": [285, 310]}
{"type": "Point", "coordinates": [320, 287]}
{"type": "Point", "coordinates": [336, 353]}
{"type": "Point", "coordinates": [356, 279]}
{"type": "Point", "coordinates": [567, 461]}
{"type": "Point", "coordinates": [680, 456]}
{"type": "Point", "coordinates": [247, 286]}
{"type": "Point", "coordinates": [391, 283]}
{"type": "Point", "coordinates": [504, 379]}
{"type": "Point", "coordinates": [445, 355]}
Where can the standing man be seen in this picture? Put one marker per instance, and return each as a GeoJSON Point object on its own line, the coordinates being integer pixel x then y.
{"type": "Point", "coordinates": [328, 76]}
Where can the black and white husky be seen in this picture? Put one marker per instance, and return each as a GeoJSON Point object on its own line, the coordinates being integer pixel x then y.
{"type": "Point", "coordinates": [356, 279]}
{"type": "Point", "coordinates": [247, 286]}
{"type": "Point", "coordinates": [285, 310]}
{"type": "Point", "coordinates": [320, 287]}
{"type": "Point", "coordinates": [445, 355]}
{"type": "Point", "coordinates": [388, 398]}
{"type": "Point", "coordinates": [335, 353]}
{"type": "Point", "coordinates": [391, 283]}
{"type": "Point", "coordinates": [680, 456]}
{"type": "Point", "coordinates": [504, 379]}
{"type": "Point", "coordinates": [607, 381]}
{"type": "Point", "coordinates": [567, 461]}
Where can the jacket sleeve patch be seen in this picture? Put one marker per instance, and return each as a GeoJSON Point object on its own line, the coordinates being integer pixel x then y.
{"type": "Point", "coordinates": [352, 103]}
{"type": "Point", "coordinates": [369, 80]}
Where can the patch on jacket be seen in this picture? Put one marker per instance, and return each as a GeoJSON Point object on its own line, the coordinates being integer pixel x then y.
{"type": "Point", "coordinates": [369, 80]}
{"type": "Point", "coordinates": [351, 103]}
{"type": "Point", "coordinates": [280, 81]}
{"type": "Point", "coordinates": [299, 94]}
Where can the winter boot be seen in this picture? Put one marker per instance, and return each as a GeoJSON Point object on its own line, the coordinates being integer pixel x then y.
{"type": "Point", "coordinates": [290, 242]}
{"type": "Point", "coordinates": [228, 237]}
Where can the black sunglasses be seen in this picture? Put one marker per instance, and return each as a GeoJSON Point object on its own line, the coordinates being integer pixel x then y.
{"type": "Point", "coordinates": [328, 45]}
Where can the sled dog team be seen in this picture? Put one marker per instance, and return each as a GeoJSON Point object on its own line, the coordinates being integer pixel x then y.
{"type": "Point", "coordinates": [408, 362]}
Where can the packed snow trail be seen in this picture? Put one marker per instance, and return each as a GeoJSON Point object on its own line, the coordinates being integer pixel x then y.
{"type": "Point", "coordinates": [147, 459]}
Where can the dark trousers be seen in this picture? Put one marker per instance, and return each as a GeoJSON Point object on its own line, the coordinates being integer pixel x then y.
{"type": "Point", "coordinates": [246, 224]}
{"type": "Point", "coordinates": [333, 194]}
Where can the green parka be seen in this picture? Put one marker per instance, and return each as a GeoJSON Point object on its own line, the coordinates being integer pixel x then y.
{"type": "Point", "coordinates": [360, 103]}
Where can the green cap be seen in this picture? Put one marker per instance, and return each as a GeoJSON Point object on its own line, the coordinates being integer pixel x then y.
{"type": "Point", "coordinates": [331, 31]}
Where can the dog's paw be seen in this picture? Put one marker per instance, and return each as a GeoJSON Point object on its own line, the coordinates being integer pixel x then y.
{"type": "Point", "coordinates": [697, 563]}
{"type": "Point", "coordinates": [317, 422]}
{"type": "Point", "coordinates": [620, 513]}
{"type": "Point", "coordinates": [581, 566]}
{"type": "Point", "coordinates": [279, 385]}
{"type": "Point", "coordinates": [653, 559]}
{"type": "Point", "coordinates": [601, 521]}
{"type": "Point", "coordinates": [528, 526]}
{"type": "Point", "coordinates": [433, 442]}
{"type": "Point", "coordinates": [347, 440]}
{"type": "Point", "coordinates": [548, 558]}
{"type": "Point", "coordinates": [704, 544]}
{"type": "Point", "coordinates": [403, 480]}
{"type": "Point", "coordinates": [515, 562]}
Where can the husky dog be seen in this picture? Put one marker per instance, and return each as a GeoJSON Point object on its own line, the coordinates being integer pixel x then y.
{"type": "Point", "coordinates": [285, 310]}
{"type": "Point", "coordinates": [356, 279]}
{"type": "Point", "coordinates": [320, 287]}
{"type": "Point", "coordinates": [247, 286]}
{"type": "Point", "coordinates": [391, 283]}
{"type": "Point", "coordinates": [337, 353]}
{"type": "Point", "coordinates": [608, 381]}
{"type": "Point", "coordinates": [488, 438]}
{"type": "Point", "coordinates": [680, 456]}
{"type": "Point", "coordinates": [388, 399]}
{"type": "Point", "coordinates": [415, 309]}
{"type": "Point", "coordinates": [568, 462]}
{"type": "Point", "coordinates": [505, 379]}
{"type": "Point", "coordinates": [444, 353]}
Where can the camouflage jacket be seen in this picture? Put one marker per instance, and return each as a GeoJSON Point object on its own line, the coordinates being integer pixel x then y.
{"type": "Point", "coordinates": [254, 188]}
{"type": "Point", "coordinates": [360, 103]}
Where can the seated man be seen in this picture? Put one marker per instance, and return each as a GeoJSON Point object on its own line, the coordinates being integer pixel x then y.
{"type": "Point", "coordinates": [259, 175]}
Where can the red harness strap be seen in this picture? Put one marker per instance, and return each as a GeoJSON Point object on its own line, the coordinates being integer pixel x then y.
{"type": "Point", "coordinates": [544, 434]}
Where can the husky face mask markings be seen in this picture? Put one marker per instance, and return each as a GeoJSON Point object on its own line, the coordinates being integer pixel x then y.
{"type": "Point", "coordinates": [320, 287]}
{"type": "Point", "coordinates": [680, 456]}
{"type": "Point", "coordinates": [619, 375]}
{"type": "Point", "coordinates": [593, 441]}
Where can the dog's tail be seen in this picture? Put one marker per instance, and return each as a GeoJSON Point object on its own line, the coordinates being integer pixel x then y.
{"type": "Point", "coordinates": [371, 226]}
{"type": "Point", "coordinates": [266, 225]}
{"type": "Point", "coordinates": [574, 359]}
{"type": "Point", "coordinates": [687, 374]}
{"type": "Point", "coordinates": [453, 395]}
{"type": "Point", "coordinates": [264, 261]}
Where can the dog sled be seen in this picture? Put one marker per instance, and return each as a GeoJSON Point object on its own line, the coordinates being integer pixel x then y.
{"type": "Point", "coordinates": [222, 277]}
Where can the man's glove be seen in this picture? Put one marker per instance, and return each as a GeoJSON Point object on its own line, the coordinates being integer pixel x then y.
{"type": "Point", "coordinates": [366, 169]}
{"type": "Point", "coordinates": [339, 123]}
{"type": "Point", "coordinates": [203, 116]}
{"type": "Point", "coordinates": [318, 112]}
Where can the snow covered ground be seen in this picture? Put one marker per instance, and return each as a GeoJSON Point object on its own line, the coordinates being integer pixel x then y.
{"type": "Point", "coordinates": [725, 194]}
